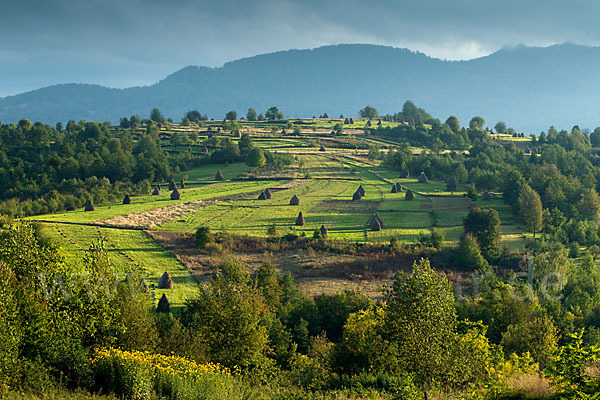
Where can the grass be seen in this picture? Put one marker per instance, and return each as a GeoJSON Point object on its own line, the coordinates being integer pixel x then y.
{"type": "Point", "coordinates": [128, 251]}
{"type": "Point", "coordinates": [149, 202]}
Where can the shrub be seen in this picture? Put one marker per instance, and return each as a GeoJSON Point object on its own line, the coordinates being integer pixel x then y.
{"type": "Point", "coordinates": [142, 375]}
{"type": "Point", "coordinates": [203, 236]}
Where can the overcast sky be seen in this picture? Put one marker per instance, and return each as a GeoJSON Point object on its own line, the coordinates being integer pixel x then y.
{"type": "Point", "coordinates": [121, 43]}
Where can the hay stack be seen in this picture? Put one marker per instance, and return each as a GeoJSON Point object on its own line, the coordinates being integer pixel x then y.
{"type": "Point", "coordinates": [346, 121]}
{"type": "Point", "coordinates": [172, 186]}
{"type": "Point", "coordinates": [375, 225]}
{"type": "Point", "coordinates": [379, 123]}
{"type": "Point", "coordinates": [356, 196]}
{"type": "Point", "coordinates": [322, 148]}
{"type": "Point", "coordinates": [219, 129]}
{"type": "Point", "coordinates": [262, 196]}
{"type": "Point", "coordinates": [127, 199]}
{"type": "Point", "coordinates": [369, 124]}
{"type": "Point", "coordinates": [89, 206]}
{"type": "Point", "coordinates": [268, 193]}
{"type": "Point", "coordinates": [378, 219]}
{"type": "Point", "coordinates": [422, 178]}
{"type": "Point", "coordinates": [300, 219]}
{"type": "Point", "coordinates": [323, 231]}
{"type": "Point", "coordinates": [409, 195]}
{"type": "Point", "coordinates": [238, 134]}
{"type": "Point", "coordinates": [163, 305]}
{"type": "Point", "coordinates": [394, 188]}
{"type": "Point", "coordinates": [156, 191]}
{"type": "Point", "coordinates": [283, 132]}
{"type": "Point", "coordinates": [362, 190]}
{"type": "Point", "coordinates": [486, 196]}
{"type": "Point", "coordinates": [295, 201]}
{"type": "Point", "coordinates": [219, 176]}
{"type": "Point", "coordinates": [351, 121]}
{"type": "Point", "coordinates": [175, 195]}
{"type": "Point", "coordinates": [165, 281]}
{"type": "Point", "coordinates": [398, 187]}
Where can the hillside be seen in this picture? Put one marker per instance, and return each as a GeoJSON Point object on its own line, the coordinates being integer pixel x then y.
{"type": "Point", "coordinates": [510, 84]}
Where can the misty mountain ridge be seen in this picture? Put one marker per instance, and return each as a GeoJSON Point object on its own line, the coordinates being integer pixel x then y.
{"type": "Point", "coordinates": [530, 88]}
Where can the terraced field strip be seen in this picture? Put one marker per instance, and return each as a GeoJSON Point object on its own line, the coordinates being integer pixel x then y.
{"type": "Point", "coordinates": [145, 203]}
{"type": "Point", "coordinates": [129, 251]}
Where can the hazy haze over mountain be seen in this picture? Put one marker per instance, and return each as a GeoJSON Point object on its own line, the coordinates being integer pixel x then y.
{"type": "Point", "coordinates": [528, 88]}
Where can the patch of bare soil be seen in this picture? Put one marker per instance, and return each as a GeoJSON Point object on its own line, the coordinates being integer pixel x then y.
{"type": "Point", "coordinates": [315, 271]}
{"type": "Point", "coordinates": [158, 216]}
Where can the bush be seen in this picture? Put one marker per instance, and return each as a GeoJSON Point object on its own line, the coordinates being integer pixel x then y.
{"type": "Point", "coordinates": [203, 236]}
{"type": "Point", "coordinates": [142, 375]}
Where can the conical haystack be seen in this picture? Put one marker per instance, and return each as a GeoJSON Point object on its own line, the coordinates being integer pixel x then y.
{"type": "Point", "coordinates": [165, 281]}
{"type": "Point", "coordinates": [268, 193]}
{"type": "Point", "coordinates": [362, 190]}
{"type": "Point", "coordinates": [295, 201]}
{"type": "Point", "coordinates": [369, 123]}
{"type": "Point", "coordinates": [219, 176]}
{"type": "Point", "coordinates": [422, 178]}
{"type": "Point", "coordinates": [394, 188]}
{"type": "Point", "coordinates": [378, 219]}
{"type": "Point", "coordinates": [163, 305]}
{"type": "Point", "coordinates": [356, 196]}
{"type": "Point", "coordinates": [238, 134]}
{"type": "Point", "coordinates": [409, 195]}
{"type": "Point", "coordinates": [156, 191]}
{"type": "Point", "coordinates": [486, 196]}
{"type": "Point", "coordinates": [300, 219]}
{"type": "Point", "coordinates": [323, 231]}
{"type": "Point", "coordinates": [182, 184]}
{"type": "Point", "coordinates": [322, 148]}
{"type": "Point", "coordinates": [398, 187]}
{"type": "Point", "coordinates": [126, 199]}
{"type": "Point", "coordinates": [175, 195]}
{"type": "Point", "coordinates": [89, 206]}
{"type": "Point", "coordinates": [375, 225]}
{"type": "Point", "coordinates": [172, 185]}
{"type": "Point", "coordinates": [262, 196]}
{"type": "Point", "coordinates": [351, 121]}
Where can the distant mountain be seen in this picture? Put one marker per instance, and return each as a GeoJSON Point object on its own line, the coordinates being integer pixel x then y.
{"type": "Point", "coordinates": [530, 88]}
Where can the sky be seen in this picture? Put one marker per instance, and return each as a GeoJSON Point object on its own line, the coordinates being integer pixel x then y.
{"type": "Point", "coordinates": [122, 43]}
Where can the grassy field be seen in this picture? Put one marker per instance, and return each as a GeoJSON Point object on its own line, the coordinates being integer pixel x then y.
{"type": "Point", "coordinates": [129, 251]}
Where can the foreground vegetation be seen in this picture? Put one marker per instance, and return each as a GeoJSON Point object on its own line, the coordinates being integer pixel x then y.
{"type": "Point", "coordinates": [484, 284]}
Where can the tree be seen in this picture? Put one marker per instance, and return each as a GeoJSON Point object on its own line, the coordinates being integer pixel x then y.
{"type": "Point", "coordinates": [461, 174]}
{"type": "Point", "coordinates": [421, 322]}
{"type": "Point", "coordinates": [468, 254]}
{"type": "Point", "coordinates": [369, 112]}
{"type": "Point", "coordinates": [530, 207]}
{"type": "Point", "coordinates": [228, 315]}
{"type": "Point", "coordinates": [595, 137]}
{"type": "Point", "coordinates": [58, 126]}
{"type": "Point", "coordinates": [251, 114]}
{"type": "Point", "coordinates": [245, 143]}
{"type": "Point", "coordinates": [134, 121]}
{"type": "Point", "coordinates": [124, 123]}
{"type": "Point", "coordinates": [156, 116]}
{"type": "Point", "coordinates": [453, 123]}
{"type": "Point", "coordinates": [195, 116]}
{"type": "Point", "coordinates": [500, 127]}
{"type": "Point", "coordinates": [256, 157]}
{"type": "Point", "coordinates": [231, 116]}
{"type": "Point", "coordinates": [477, 123]}
{"type": "Point", "coordinates": [538, 336]}
{"type": "Point", "coordinates": [589, 204]}
{"type": "Point", "coordinates": [485, 226]}
{"type": "Point", "coordinates": [273, 114]}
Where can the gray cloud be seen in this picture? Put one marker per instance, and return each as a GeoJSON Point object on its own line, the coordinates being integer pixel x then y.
{"type": "Point", "coordinates": [130, 42]}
